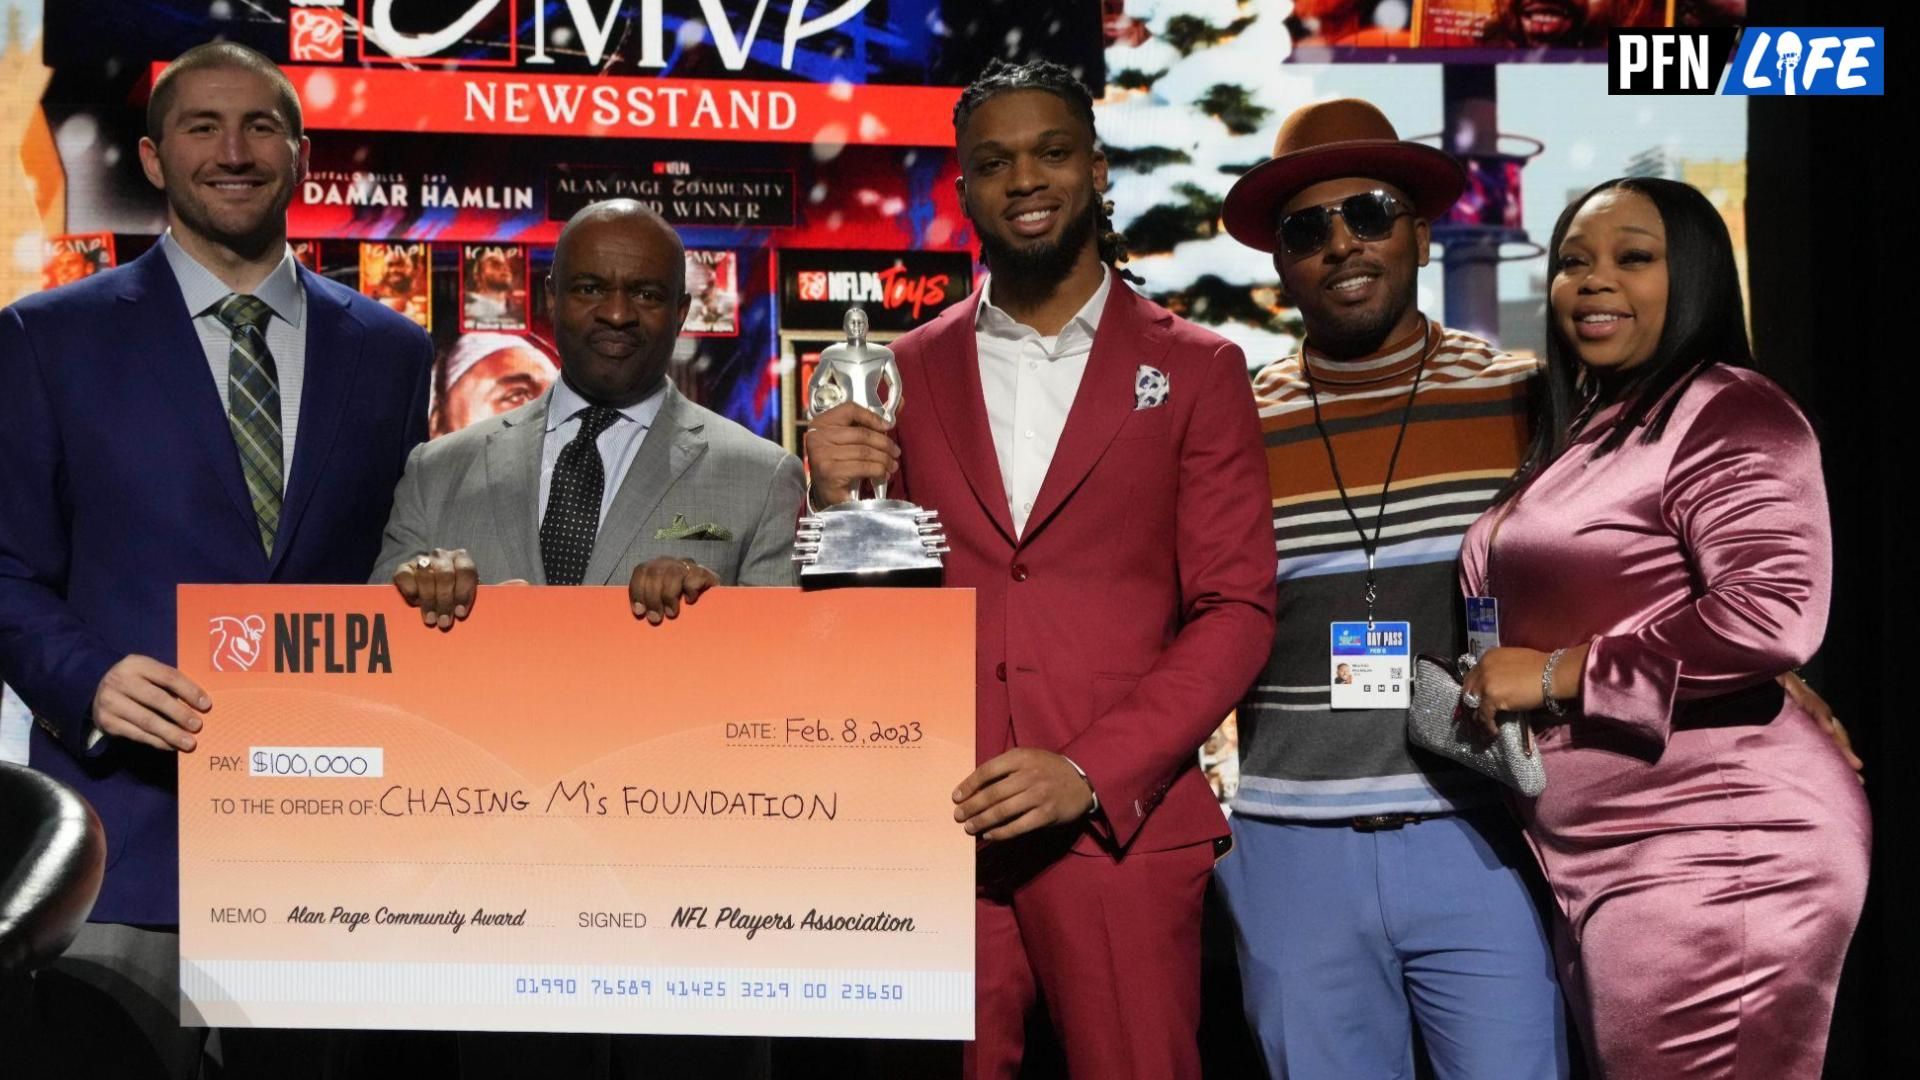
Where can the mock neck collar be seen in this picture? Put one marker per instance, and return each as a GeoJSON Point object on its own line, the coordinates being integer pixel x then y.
{"type": "Point", "coordinates": [1394, 360]}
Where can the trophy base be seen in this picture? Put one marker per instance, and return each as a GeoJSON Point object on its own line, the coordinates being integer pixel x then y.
{"type": "Point", "coordinates": [870, 542]}
{"type": "Point", "coordinates": [875, 579]}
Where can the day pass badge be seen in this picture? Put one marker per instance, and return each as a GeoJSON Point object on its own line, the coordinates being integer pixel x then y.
{"type": "Point", "coordinates": [1483, 625]}
{"type": "Point", "coordinates": [1371, 665]}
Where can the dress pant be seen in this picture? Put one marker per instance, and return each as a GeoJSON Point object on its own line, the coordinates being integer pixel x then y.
{"type": "Point", "coordinates": [1347, 939]}
{"type": "Point", "coordinates": [1111, 946]}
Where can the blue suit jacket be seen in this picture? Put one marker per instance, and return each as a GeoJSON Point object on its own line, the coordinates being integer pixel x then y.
{"type": "Point", "coordinates": [119, 481]}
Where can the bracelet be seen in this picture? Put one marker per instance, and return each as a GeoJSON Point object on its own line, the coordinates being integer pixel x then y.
{"type": "Point", "coordinates": [1546, 683]}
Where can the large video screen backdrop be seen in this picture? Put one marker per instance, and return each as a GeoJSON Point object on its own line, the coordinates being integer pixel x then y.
{"type": "Point", "coordinates": [764, 127]}
{"type": "Point", "coordinates": [1196, 90]}
{"type": "Point", "coordinates": [804, 149]}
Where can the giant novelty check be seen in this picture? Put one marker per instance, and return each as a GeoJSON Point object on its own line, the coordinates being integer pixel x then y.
{"type": "Point", "coordinates": [557, 817]}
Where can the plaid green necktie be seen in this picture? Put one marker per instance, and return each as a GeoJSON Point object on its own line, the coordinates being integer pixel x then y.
{"type": "Point", "coordinates": [253, 407]}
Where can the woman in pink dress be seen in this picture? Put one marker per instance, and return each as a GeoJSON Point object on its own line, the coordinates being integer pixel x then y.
{"type": "Point", "coordinates": [1661, 558]}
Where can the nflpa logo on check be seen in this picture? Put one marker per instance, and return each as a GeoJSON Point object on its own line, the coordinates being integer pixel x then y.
{"type": "Point", "coordinates": [237, 641]}
{"type": "Point", "coordinates": [1667, 61]}
{"type": "Point", "coordinates": [316, 35]}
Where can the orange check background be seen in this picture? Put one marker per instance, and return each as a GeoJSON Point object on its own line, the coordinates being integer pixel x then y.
{"type": "Point", "coordinates": [543, 686]}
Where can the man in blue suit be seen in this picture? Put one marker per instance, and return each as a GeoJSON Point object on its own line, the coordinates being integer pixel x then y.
{"type": "Point", "coordinates": [210, 413]}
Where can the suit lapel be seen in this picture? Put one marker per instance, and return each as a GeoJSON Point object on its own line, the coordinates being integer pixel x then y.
{"type": "Point", "coordinates": [163, 327]}
{"type": "Point", "coordinates": [332, 364]}
{"type": "Point", "coordinates": [670, 447]}
{"type": "Point", "coordinates": [953, 373]}
{"type": "Point", "coordinates": [1125, 339]}
{"type": "Point", "coordinates": [513, 479]}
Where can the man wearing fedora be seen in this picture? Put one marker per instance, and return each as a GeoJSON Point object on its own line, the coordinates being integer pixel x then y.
{"type": "Point", "coordinates": [1374, 886]}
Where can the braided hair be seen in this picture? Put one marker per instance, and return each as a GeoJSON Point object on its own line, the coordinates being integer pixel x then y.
{"type": "Point", "coordinates": [1001, 77]}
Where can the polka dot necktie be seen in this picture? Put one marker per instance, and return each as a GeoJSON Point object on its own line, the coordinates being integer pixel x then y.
{"type": "Point", "coordinates": [573, 501]}
{"type": "Point", "coordinates": [253, 407]}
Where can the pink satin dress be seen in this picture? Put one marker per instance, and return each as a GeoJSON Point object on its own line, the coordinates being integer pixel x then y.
{"type": "Point", "coordinates": [1705, 841]}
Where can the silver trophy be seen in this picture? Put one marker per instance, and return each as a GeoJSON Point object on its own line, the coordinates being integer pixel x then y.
{"type": "Point", "coordinates": [877, 541]}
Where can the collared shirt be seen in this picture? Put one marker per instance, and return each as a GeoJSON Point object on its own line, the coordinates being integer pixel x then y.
{"type": "Point", "coordinates": [1029, 383]}
{"type": "Point", "coordinates": [286, 330]}
{"type": "Point", "coordinates": [618, 445]}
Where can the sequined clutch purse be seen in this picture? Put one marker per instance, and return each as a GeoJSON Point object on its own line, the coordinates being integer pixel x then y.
{"type": "Point", "coordinates": [1434, 722]}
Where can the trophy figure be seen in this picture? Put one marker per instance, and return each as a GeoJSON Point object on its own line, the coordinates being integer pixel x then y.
{"type": "Point", "coordinates": [876, 541]}
{"type": "Point", "coordinates": [855, 370]}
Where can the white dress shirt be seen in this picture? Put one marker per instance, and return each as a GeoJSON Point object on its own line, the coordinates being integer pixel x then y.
{"type": "Point", "coordinates": [617, 445]}
{"type": "Point", "coordinates": [1029, 383]}
{"type": "Point", "coordinates": [286, 331]}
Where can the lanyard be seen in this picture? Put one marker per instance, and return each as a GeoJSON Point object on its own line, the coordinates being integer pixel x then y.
{"type": "Point", "coordinates": [1370, 546]}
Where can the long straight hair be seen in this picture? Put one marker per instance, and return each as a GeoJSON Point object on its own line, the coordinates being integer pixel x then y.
{"type": "Point", "coordinates": [1706, 324]}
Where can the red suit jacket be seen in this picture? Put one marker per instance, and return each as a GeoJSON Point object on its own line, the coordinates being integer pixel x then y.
{"type": "Point", "coordinates": [1124, 624]}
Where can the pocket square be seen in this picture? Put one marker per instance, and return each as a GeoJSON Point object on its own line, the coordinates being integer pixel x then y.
{"type": "Point", "coordinates": [682, 529]}
{"type": "Point", "coordinates": [1150, 387]}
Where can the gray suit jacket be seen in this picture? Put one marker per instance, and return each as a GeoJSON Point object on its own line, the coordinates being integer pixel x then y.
{"type": "Point", "coordinates": [479, 489]}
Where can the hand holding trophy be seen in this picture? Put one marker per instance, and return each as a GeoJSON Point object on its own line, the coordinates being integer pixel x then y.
{"type": "Point", "coordinates": [855, 370]}
{"type": "Point", "coordinates": [876, 541]}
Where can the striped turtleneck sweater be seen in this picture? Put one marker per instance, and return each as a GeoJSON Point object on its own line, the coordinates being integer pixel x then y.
{"type": "Point", "coordinates": [1466, 435]}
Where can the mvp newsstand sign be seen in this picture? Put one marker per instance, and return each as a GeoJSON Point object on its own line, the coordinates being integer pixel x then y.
{"type": "Point", "coordinates": [490, 68]}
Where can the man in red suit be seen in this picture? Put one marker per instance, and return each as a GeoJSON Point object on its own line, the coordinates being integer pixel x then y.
{"type": "Point", "coordinates": [1098, 466]}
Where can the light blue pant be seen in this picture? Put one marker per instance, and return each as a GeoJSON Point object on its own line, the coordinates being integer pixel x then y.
{"type": "Point", "coordinates": [1347, 938]}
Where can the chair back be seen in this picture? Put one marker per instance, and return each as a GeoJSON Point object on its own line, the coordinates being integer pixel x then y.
{"type": "Point", "coordinates": [53, 854]}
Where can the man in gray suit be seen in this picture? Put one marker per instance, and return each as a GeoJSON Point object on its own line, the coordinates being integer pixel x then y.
{"type": "Point", "coordinates": [610, 476]}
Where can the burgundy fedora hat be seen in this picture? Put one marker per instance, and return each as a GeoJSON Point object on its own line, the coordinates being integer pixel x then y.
{"type": "Point", "coordinates": [1329, 140]}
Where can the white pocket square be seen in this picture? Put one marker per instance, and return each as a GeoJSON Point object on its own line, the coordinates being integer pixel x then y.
{"type": "Point", "coordinates": [1150, 387]}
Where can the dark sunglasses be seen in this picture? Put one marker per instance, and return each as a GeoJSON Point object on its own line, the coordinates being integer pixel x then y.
{"type": "Point", "coordinates": [1369, 216]}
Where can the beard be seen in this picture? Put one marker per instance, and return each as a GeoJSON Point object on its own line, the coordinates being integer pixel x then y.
{"type": "Point", "coordinates": [250, 236]}
{"type": "Point", "coordinates": [1042, 264]}
{"type": "Point", "coordinates": [1349, 336]}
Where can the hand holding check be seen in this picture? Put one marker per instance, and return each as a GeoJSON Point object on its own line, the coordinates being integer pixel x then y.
{"type": "Point", "coordinates": [444, 584]}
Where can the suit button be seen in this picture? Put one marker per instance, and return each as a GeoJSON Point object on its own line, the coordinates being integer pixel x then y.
{"type": "Point", "coordinates": [1019, 571]}
{"type": "Point", "coordinates": [1000, 672]}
